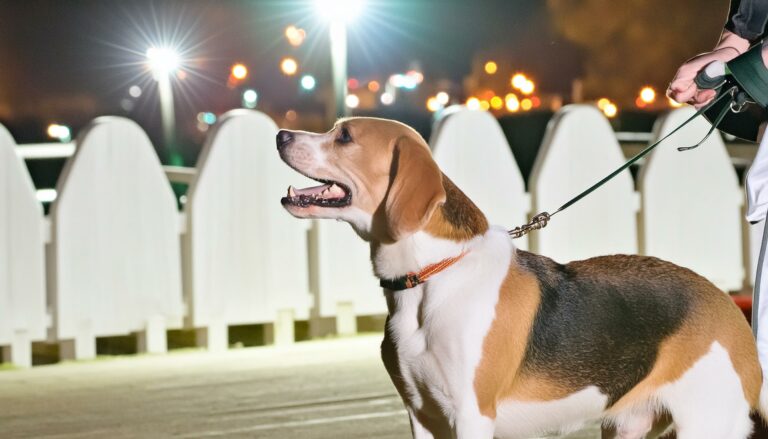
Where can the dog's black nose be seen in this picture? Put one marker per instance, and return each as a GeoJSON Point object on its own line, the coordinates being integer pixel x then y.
{"type": "Point", "coordinates": [284, 138]}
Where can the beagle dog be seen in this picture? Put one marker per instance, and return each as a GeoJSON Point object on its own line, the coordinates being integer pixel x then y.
{"type": "Point", "coordinates": [485, 340]}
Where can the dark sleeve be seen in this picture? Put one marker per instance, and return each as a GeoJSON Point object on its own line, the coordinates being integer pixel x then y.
{"type": "Point", "coordinates": [747, 18]}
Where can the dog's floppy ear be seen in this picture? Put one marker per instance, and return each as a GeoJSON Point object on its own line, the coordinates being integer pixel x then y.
{"type": "Point", "coordinates": [416, 188]}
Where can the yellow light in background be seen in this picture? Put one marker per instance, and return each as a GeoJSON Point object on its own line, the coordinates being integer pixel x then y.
{"type": "Point", "coordinates": [513, 104]}
{"type": "Point", "coordinates": [352, 101]}
{"type": "Point", "coordinates": [295, 35]}
{"type": "Point", "coordinates": [60, 132]}
{"type": "Point", "coordinates": [528, 87]}
{"type": "Point", "coordinates": [602, 102]}
{"type": "Point", "coordinates": [491, 67]}
{"type": "Point", "coordinates": [518, 80]}
{"type": "Point", "coordinates": [432, 104]}
{"type": "Point", "coordinates": [473, 103]}
{"type": "Point", "coordinates": [610, 110]}
{"type": "Point", "coordinates": [239, 71]}
{"type": "Point", "coordinates": [497, 103]}
{"type": "Point", "coordinates": [526, 104]}
{"type": "Point", "coordinates": [673, 103]}
{"type": "Point", "coordinates": [485, 105]}
{"type": "Point", "coordinates": [443, 98]}
{"type": "Point", "coordinates": [648, 95]}
{"type": "Point", "coordinates": [374, 86]}
{"type": "Point", "coordinates": [289, 66]}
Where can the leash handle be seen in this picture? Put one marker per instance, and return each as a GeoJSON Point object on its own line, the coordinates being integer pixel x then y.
{"type": "Point", "coordinates": [712, 76]}
{"type": "Point", "coordinates": [541, 220]}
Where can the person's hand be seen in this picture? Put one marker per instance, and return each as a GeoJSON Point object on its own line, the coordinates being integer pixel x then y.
{"type": "Point", "coordinates": [683, 89]}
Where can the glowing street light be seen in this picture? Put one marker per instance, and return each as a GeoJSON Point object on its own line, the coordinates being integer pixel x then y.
{"type": "Point", "coordinates": [308, 82]}
{"type": "Point", "coordinates": [433, 104]}
{"type": "Point", "coordinates": [442, 98]}
{"type": "Point", "coordinates": [518, 81]}
{"type": "Point", "coordinates": [250, 97]}
{"type": "Point", "coordinates": [289, 66]}
{"type": "Point", "coordinates": [62, 133]}
{"type": "Point", "coordinates": [163, 62]}
{"type": "Point", "coordinates": [512, 103]}
{"type": "Point", "coordinates": [648, 95]}
{"type": "Point", "coordinates": [352, 101]}
{"type": "Point", "coordinates": [295, 35]}
{"type": "Point", "coordinates": [610, 110]}
{"type": "Point", "coordinates": [473, 103]}
{"type": "Point", "coordinates": [239, 71]}
{"type": "Point", "coordinates": [491, 67]}
{"type": "Point", "coordinates": [527, 87]}
{"type": "Point", "coordinates": [345, 11]}
{"type": "Point", "coordinates": [497, 103]}
{"type": "Point", "coordinates": [339, 13]}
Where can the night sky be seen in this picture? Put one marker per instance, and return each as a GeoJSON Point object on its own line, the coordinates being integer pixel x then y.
{"type": "Point", "coordinates": [71, 60]}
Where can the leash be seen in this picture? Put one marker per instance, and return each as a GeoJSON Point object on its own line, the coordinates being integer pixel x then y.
{"type": "Point", "coordinates": [540, 220]}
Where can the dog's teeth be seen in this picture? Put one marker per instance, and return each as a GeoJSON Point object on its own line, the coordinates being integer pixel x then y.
{"type": "Point", "coordinates": [336, 190]}
{"type": "Point", "coordinates": [291, 192]}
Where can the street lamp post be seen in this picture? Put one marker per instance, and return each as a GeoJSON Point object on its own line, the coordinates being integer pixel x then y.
{"type": "Point", "coordinates": [163, 63]}
{"type": "Point", "coordinates": [339, 13]}
{"type": "Point", "coordinates": [338, 37]}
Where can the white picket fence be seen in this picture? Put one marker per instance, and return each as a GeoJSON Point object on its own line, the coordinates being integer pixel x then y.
{"type": "Point", "coordinates": [121, 259]}
{"type": "Point", "coordinates": [114, 260]}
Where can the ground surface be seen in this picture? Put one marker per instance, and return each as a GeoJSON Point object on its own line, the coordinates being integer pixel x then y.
{"type": "Point", "coordinates": [321, 389]}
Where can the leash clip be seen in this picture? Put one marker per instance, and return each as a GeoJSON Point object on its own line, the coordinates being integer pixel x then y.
{"type": "Point", "coordinates": [538, 222]}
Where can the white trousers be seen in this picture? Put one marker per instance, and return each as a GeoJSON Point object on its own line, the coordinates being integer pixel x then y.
{"type": "Point", "coordinates": [757, 207]}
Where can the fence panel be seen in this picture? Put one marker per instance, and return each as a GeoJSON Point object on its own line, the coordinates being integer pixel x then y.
{"type": "Point", "coordinates": [245, 257]}
{"type": "Point", "coordinates": [580, 148]}
{"type": "Point", "coordinates": [22, 258]}
{"type": "Point", "coordinates": [114, 260]}
{"type": "Point", "coordinates": [692, 203]}
{"type": "Point", "coordinates": [342, 278]}
{"type": "Point", "coordinates": [473, 152]}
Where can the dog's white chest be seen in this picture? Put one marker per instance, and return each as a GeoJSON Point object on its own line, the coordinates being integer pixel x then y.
{"type": "Point", "coordinates": [438, 328]}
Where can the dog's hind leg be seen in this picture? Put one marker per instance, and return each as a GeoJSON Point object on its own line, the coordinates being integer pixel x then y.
{"type": "Point", "coordinates": [629, 426]}
{"type": "Point", "coordinates": [708, 401]}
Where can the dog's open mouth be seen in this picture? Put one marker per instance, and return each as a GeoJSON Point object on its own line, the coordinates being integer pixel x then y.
{"type": "Point", "coordinates": [328, 194]}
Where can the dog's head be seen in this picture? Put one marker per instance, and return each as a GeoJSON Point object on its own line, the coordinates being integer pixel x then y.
{"type": "Point", "coordinates": [378, 175]}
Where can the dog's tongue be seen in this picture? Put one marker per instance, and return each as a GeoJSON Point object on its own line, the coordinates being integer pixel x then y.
{"type": "Point", "coordinates": [323, 191]}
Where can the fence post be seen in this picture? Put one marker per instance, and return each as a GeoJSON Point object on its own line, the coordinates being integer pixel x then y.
{"type": "Point", "coordinates": [692, 203]}
{"type": "Point", "coordinates": [23, 316]}
{"type": "Point", "coordinates": [579, 149]}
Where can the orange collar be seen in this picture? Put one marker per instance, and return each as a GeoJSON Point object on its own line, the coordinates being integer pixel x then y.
{"type": "Point", "coordinates": [412, 279]}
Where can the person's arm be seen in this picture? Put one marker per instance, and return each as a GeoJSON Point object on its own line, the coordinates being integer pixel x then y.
{"type": "Point", "coordinates": [745, 24]}
{"type": "Point", "coordinates": [747, 19]}
{"type": "Point", "coordinates": [682, 88]}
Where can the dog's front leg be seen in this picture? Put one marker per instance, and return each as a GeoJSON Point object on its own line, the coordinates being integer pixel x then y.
{"type": "Point", "coordinates": [473, 426]}
{"type": "Point", "coordinates": [418, 430]}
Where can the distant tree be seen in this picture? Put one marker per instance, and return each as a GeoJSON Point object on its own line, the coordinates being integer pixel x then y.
{"type": "Point", "coordinates": [632, 43]}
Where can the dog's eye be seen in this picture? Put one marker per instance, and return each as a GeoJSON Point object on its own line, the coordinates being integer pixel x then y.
{"type": "Point", "coordinates": [344, 137]}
